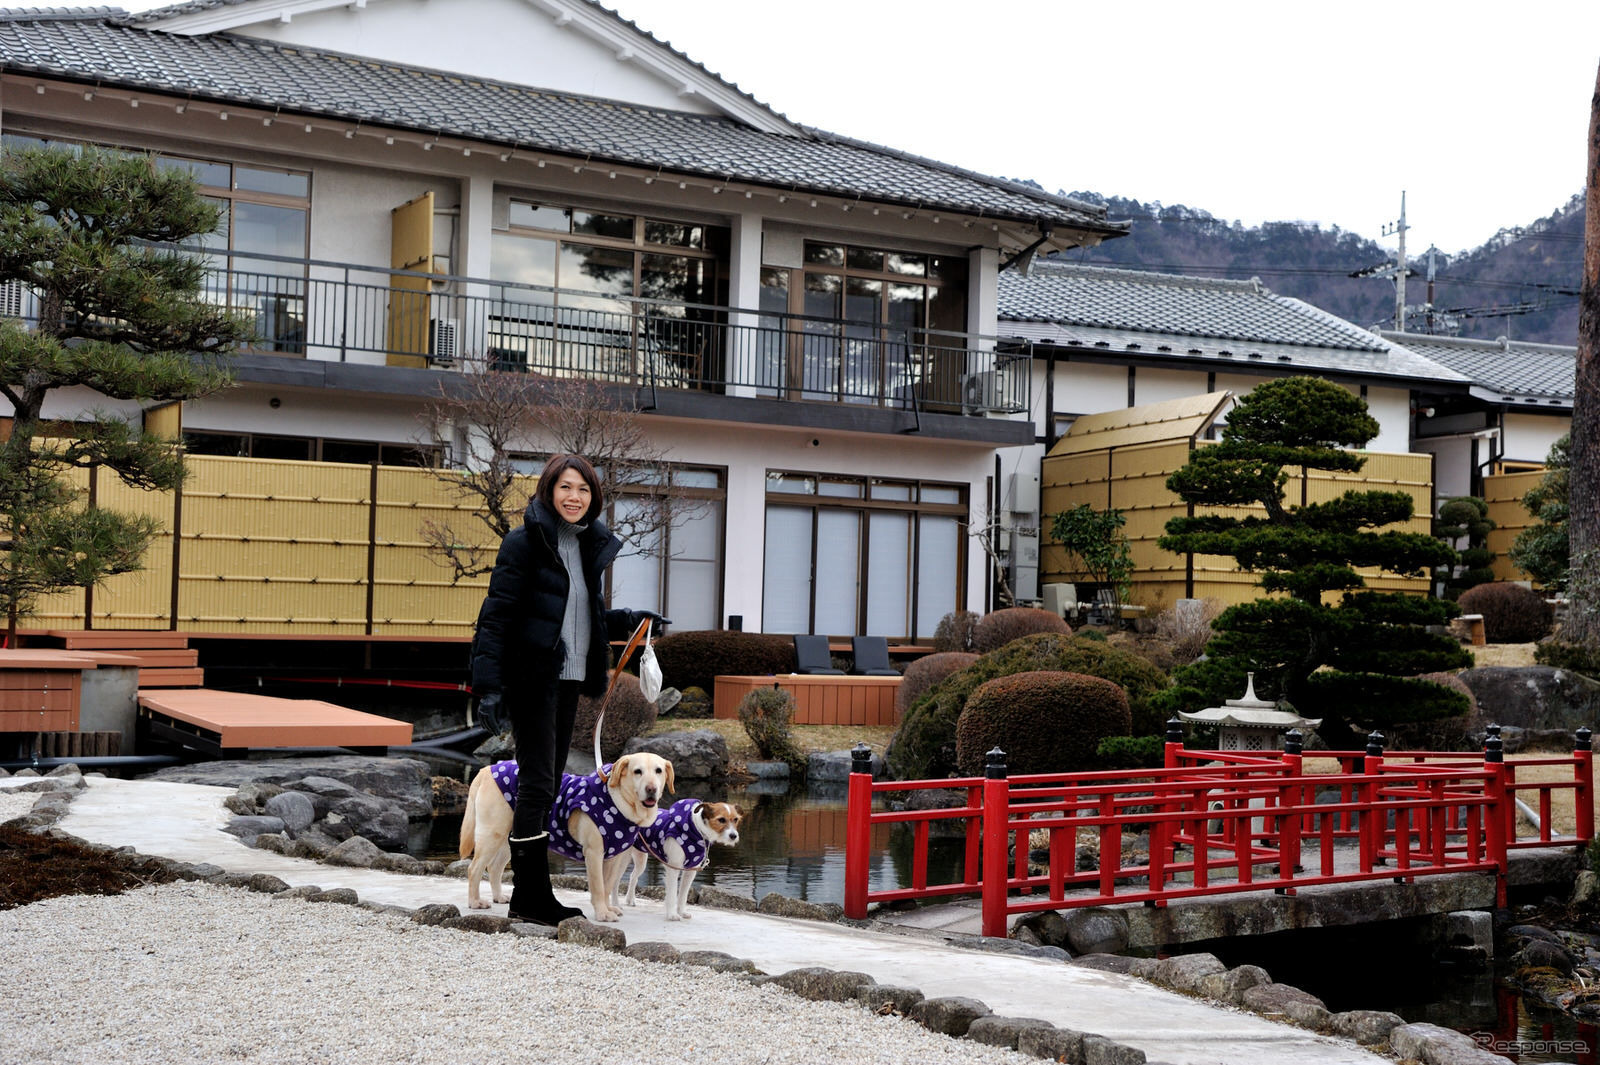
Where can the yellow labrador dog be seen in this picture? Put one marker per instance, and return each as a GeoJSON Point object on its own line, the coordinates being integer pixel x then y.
{"type": "Point", "coordinates": [595, 820]}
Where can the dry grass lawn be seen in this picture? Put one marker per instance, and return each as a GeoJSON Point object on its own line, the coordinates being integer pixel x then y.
{"type": "Point", "coordinates": [811, 738]}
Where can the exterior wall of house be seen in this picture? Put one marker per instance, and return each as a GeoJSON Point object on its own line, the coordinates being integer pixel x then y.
{"type": "Point", "coordinates": [502, 40]}
{"type": "Point", "coordinates": [1081, 388]}
{"type": "Point", "coordinates": [1392, 407]}
{"type": "Point", "coordinates": [1528, 437]}
{"type": "Point", "coordinates": [1452, 464]}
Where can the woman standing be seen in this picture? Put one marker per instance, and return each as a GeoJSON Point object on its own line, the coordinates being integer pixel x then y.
{"type": "Point", "coordinates": [543, 639]}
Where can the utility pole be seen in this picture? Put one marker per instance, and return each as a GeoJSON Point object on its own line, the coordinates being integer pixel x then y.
{"type": "Point", "coordinates": [1400, 228]}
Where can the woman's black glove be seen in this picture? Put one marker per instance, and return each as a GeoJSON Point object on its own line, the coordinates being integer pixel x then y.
{"type": "Point", "coordinates": [490, 714]}
{"type": "Point", "coordinates": [636, 616]}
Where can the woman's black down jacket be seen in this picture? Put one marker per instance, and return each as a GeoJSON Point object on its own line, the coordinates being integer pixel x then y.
{"type": "Point", "coordinates": [518, 641]}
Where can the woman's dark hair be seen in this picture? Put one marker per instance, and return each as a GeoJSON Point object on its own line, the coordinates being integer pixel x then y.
{"type": "Point", "coordinates": [553, 470]}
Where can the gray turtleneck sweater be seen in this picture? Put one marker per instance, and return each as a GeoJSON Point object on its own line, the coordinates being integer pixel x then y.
{"type": "Point", "coordinates": [575, 625]}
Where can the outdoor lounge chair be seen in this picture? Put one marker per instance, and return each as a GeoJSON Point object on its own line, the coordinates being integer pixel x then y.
{"type": "Point", "coordinates": [811, 656]}
{"type": "Point", "coordinates": [872, 656]}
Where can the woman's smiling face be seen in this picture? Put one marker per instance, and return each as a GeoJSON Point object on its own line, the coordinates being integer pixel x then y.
{"type": "Point", "coordinates": [572, 495]}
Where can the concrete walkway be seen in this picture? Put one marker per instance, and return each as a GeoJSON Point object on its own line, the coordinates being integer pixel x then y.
{"type": "Point", "coordinates": [184, 822]}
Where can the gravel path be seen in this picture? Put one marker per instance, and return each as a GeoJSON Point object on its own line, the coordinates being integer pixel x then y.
{"type": "Point", "coordinates": [194, 972]}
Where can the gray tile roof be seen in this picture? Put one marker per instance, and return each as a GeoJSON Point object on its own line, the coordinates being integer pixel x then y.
{"type": "Point", "coordinates": [1240, 325]}
{"type": "Point", "coordinates": [1510, 371]}
{"type": "Point", "coordinates": [109, 50]}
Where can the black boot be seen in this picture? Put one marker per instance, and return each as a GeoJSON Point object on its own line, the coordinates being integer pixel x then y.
{"type": "Point", "coordinates": [531, 897]}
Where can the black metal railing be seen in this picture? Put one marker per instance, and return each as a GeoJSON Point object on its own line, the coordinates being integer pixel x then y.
{"type": "Point", "coordinates": [347, 312]}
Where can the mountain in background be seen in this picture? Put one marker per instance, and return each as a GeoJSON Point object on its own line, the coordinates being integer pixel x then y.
{"type": "Point", "coordinates": [1522, 283]}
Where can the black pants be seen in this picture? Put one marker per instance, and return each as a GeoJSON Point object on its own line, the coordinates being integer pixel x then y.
{"type": "Point", "coordinates": [542, 725]}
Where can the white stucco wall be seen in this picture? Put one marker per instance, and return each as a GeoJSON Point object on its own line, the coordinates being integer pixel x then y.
{"type": "Point", "coordinates": [1392, 408]}
{"type": "Point", "coordinates": [1089, 388]}
{"type": "Point", "coordinates": [1527, 437]}
{"type": "Point", "coordinates": [1452, 464]}
{"type": "Point", "coordinates": [502, 40]}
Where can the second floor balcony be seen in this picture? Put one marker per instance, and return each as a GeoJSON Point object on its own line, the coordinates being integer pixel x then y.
{"type": "Point", "coordinates": [321, 310]}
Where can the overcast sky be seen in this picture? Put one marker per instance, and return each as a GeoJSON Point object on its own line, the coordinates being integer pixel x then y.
{"type": "Point", "coordinates": [1254, 111]}
{"type": "Point", "coordinates": [1321, 111]}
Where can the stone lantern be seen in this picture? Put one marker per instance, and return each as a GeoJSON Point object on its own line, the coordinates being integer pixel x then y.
{"type": "Point", "coordinates": [1250, 724]}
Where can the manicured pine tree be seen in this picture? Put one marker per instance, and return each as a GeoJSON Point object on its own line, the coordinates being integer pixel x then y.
{"type": "Point", "coordinates": [119, 315]}
{"type": "Point", "coordinates": [1350, 661]}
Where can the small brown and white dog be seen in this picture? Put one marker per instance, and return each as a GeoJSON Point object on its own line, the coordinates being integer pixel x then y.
{"type": "Point", "coordinates": [596, 820]}
{"type": "Point", "coordinates": [680, 838]}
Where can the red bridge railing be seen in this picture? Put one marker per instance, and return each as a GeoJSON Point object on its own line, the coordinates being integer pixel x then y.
{"type": "Point", "coordinates": [1215, 822]}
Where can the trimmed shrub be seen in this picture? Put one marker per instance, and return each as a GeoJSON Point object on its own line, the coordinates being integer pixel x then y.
{"type": "Point", "coordinates": [924, 746]}
{"type": "Point", "coordinates": [692, 659]}
{"type": "Point", "coordinates": [1511, 613]}
{"type": "Point", "coordinates": [629, 714]}
{"type": "Point", "coordinates": [996, 629]}
{"type": "Point", "coordinates": [954, 632]}
{"type": "Point", "coordinates": [1569, 656]}
{"type": "Point", "coordinates": [1461, 732]}
{"type": "Point", "coordinates": [1132, 752]}
{"type": "Point", "coordinates": [767, 715]}
{"type": "Point", "coordinates": [925, 672]}
{"type": "Point", "coordinates": [1046, 722]}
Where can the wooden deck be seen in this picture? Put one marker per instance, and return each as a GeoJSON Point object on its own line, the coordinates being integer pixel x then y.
{"type": "Point", "coordinates": [818, 700]}
{"type": "Point", "coordinates": [164, 658]}
{"type": "Point", "coordinates": [227, 724]}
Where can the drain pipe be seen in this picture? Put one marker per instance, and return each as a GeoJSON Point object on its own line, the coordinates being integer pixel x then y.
{"type": "Point", "coordinates": [476, 732]}
{"type": "Point", "coordinates": [438, 752]}
{"type": "Point", "coordinates": [99, 761]}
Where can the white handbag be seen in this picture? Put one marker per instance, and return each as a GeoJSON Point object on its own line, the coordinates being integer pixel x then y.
{"type": "Point", "coordinates": [649, 671]}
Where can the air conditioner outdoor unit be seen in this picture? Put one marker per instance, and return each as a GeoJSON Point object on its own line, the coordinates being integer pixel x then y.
{"type": "Point", "coordinates": [444, 342]}
{"type": "Point", "coordinates": [980, 392]}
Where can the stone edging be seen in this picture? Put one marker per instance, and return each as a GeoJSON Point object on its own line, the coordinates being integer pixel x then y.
{"type": "Point", "coordinates": [1201, 975]}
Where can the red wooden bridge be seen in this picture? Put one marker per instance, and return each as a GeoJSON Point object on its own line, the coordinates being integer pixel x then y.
{"type": "Point", "coordinates": [1220, 822]}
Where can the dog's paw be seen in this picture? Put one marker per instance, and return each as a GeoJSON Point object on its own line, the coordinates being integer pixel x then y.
{"type": "Point", "coordinates": [684, 915]}
{"type": "Point", "coordinates": [676, 916]}
{"type": "Point", "coordinates": [478, 904]}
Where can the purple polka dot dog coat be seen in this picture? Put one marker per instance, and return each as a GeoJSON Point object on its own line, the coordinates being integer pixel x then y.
{"type": "Point", "coordinates": [504, 775]}
{"type": "Point", "coordinates": [676, 822]}
{"type": "Point", "coordinates": [589, 795]}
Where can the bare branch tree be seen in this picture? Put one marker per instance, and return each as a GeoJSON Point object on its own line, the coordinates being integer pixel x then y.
{"type": "Point", "coordinates": [496, 422]}
{"type": "Point", "coordinates": [987, 532]}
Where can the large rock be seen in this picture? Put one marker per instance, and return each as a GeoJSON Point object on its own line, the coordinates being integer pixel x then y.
{"type": "Point", "coordinates": [1534, 697]}
{"type": "Point", "coordinates": [1433, 1045]}
{"type": "Point", "coordinates": [384, 823]}
{"type": "Point", "coordinates": [295, 809]}
{"type": "Point", "coordinates": [1096, 931]}
{"type": "Point", "coordinates": [406, 781]}
{"type": "Point", "coordinates": [834, 766]}
{"type": "Point", "coordinates": [699, 754]}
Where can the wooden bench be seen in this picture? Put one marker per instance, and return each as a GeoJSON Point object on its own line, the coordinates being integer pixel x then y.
{"type": "Point", "coordinates": [818, 700]}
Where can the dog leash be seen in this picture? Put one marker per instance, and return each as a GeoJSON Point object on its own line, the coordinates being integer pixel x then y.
{"type": "Point", "coordinates": [640, 635]}
{"type": "Point", "coordinates": [638, 841]}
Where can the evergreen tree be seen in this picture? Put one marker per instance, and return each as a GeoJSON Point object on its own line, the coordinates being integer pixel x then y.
{"type": "Point", "coordinates": [1465, 517]}
{"type": "Point", "coordinates": [1541, 550]}
{"type": "Point", "coordinates": [118, 315]}
{"type": "Point", "coordinates": [1353, 662]}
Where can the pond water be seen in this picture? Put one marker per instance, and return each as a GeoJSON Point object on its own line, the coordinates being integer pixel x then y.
{"type": "Point", "coordinates": [792, 843]}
